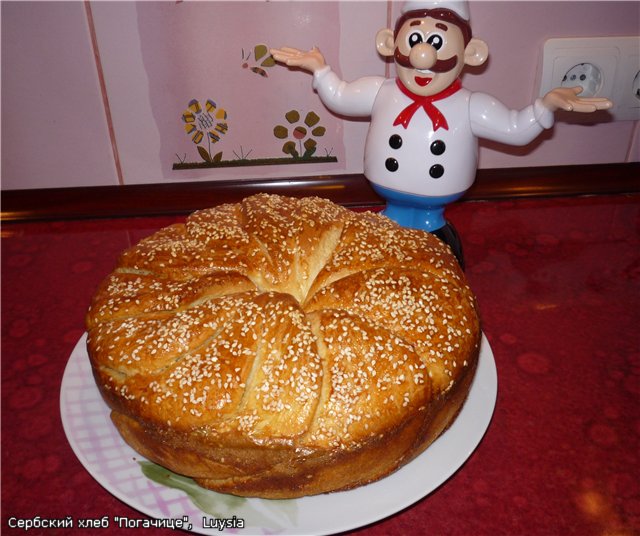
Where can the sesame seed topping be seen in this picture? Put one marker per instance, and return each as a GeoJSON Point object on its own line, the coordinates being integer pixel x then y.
{"type": "Point", "coordinates": [287, 320]}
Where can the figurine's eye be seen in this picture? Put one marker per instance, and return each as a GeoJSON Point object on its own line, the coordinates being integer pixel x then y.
{"type": "Point", "coordinates": [415, 38]}
{"type": "Point", "coordinates": [435, 41]}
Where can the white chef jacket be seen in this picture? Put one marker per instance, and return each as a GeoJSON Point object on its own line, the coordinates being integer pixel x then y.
{"type": "Point", "coordinates": [418, 160]}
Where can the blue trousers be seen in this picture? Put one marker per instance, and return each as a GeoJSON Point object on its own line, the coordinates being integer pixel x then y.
{"type": "Point", "coordinates": [423, 212]}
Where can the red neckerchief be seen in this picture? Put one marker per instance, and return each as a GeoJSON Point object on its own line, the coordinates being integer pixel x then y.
{"type": "Point", "coordinates": [426, 103]}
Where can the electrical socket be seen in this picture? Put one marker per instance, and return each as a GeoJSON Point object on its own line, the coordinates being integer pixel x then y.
{"type": "Point", "coordinates": [603, 66]}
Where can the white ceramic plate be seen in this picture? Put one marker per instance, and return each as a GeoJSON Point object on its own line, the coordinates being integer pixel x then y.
{"type": "Point", "coordinates": [119, 469]}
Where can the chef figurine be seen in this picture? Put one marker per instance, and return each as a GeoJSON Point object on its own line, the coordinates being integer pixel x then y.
{"type": "Point", "coordinates": [422, 144]}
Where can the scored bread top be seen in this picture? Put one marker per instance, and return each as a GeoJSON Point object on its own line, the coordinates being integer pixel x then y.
{"type": "Point", "coordinates": [281, 321]}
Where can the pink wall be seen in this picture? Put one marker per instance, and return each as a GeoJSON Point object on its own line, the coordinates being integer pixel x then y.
{"type": "Point", "coordinates": [54, 131]}
{"type": "Point", "coordinates": [70, 120]}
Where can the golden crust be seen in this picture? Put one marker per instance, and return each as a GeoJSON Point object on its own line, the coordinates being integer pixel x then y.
{"type": "Point", "coordinates": [284, 347]}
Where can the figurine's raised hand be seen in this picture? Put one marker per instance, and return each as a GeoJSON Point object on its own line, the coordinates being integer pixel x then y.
{"type": "Point", "coordinates": [311, 60]}
{"type": "Point", "coordinates": [566, 98]}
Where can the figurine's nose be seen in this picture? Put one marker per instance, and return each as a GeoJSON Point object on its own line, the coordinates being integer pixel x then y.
{"type": "Point", "coordinates": [422, 56]}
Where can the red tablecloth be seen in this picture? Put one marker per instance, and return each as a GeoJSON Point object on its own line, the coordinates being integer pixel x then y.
{"type": "Point", "coordinates": [558, 283]}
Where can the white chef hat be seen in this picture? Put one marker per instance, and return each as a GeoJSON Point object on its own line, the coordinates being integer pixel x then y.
{"type": "Point", "coordinates": [459, 7]}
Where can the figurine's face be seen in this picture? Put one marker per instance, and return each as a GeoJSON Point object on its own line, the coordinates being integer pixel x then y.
{"type": "Point", "coordinates": [429, 55]}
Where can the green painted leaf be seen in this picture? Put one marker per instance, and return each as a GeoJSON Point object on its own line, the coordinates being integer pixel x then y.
{"type": "Point", "coordinates": [204, 154]}
{"type": "Point", "coordinates": [311, 119]}
{"type": "Point", "coordinates": [218, 157]}
{"type": "Point", "coordinates": [293, 116]}
{"type": "Point", "coordinates": [221, 505]}
{"type": "Point", "coordinates": [212, 503]}
{"type": "Point", "coordinates": [318, 131]}
{"type": "Point", "coordinates": [281, 132]}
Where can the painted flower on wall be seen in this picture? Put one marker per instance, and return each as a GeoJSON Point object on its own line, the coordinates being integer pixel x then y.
{"type": "Point", "coordinates": [206, 124]}
{"type": "Point", "coordinates": [300, 135]}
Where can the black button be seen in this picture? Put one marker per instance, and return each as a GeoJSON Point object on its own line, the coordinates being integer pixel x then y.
{"type": "Point", "coordinates": [395, 141]}
{"type": "Point", "coordinates": [436, 171]}
{"type": "Point", "coordinates": [391, 164]}
{"type": "Point", "coordinates": [438, 147]}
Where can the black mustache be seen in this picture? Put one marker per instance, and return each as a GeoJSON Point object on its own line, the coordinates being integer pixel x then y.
{"type": "Point", "coordinates": [440, 66]}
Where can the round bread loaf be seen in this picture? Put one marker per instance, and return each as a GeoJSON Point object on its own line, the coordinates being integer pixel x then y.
{"type": "Point", "coordinates": [284, 347]}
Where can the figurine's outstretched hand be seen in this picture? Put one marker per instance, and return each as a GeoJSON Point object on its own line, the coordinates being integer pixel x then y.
{"type": "Point", "coordinates": [566, 98]}
{"type": "Point", "coordinates": [311, 60]}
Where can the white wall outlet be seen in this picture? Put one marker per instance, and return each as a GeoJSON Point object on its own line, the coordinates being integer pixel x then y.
{"type": "Point", "coordinates": [586, 75]}
{"type": "Point", "coordinates": [602, 66]}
